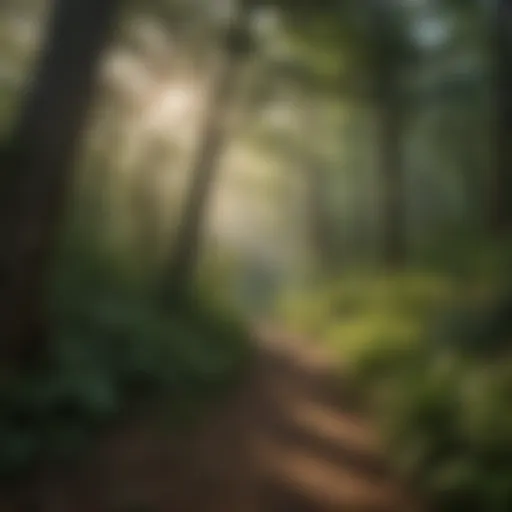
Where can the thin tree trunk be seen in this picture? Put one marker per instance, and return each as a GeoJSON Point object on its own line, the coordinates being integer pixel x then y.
{"type": "Point", "coordinates": [204, 171]}
{"type": "Point", "coordinates": [501, 186]}
{"type": "Point", "coordinates": [386, 66]}
{"type": "Point", "coordinates": [392, 181]}
{"type": "Point", "coordinates": [317, 217]}
{"type": "Point", "coordinates": [36, 166]}
{"type": "Point", "coordinates": [317, 220]}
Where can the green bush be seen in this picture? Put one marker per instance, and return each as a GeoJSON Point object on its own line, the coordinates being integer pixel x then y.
{"type": "Point", "coordinates": [113, 344]}
{"type": "Point", "coordinates": [448, 426]}
{"type": "Point", "coordinates": [430, 353]}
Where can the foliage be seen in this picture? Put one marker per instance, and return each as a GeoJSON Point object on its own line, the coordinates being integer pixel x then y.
{"type": "Point", "coordinates": [431, 353]}
{"type": "Point", "coordinates": [111, 346]}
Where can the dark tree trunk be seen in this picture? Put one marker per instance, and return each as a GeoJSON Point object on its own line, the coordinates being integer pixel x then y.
{"type": "Point", "coordinates": [392, 179]}
{"type": "Point", "coordinates": [204, 171]}
{"type": "Point", "coordinates": [501, 186]}
{"type": "Point", "coordinates": [387, 62]}
{"type": "Point", "coordinates": [36, 166]}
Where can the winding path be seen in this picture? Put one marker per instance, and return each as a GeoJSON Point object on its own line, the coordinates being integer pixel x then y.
{"type": "Point", "coordinates": [288, 442]}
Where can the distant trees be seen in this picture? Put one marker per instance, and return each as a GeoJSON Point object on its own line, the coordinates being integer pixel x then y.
{"type": "Point", "coordinates": [36, 165]}
{"type": "Point", "coordinates": [372, 36]}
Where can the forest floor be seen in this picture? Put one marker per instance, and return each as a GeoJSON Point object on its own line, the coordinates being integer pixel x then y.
{"type": "Point", "coordinates": [289, 441]}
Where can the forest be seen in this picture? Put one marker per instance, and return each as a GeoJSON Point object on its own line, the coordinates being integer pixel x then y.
{"type": "Point", "coordinates": [255, 255]}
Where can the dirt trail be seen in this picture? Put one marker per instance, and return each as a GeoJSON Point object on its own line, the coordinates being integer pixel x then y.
{"type": "Point", "coordinates": [288, 442]}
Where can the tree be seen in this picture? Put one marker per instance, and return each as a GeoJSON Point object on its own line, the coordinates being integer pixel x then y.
{"type": "Point", "coordinates": [389, 53]}
{"type": "Point", "coordinates": [314, 173]}
{"type": "Point", "coordinates": [371, 40]}
{"type": "Point", "coordinates": [36, 166]}
{"type": "Point", "coordinates": [188, 239]}
{"type": "Point", "coordinates": [501, 197]}
{"type": "Point", "coordinates": [390, 163]}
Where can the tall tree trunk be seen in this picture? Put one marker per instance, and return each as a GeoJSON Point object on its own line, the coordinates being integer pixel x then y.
{"type": "Point", "coordinates": [392, 178]}
{"type": "Point", "coordinates": [319, 232]}
{"type": "Point", "coordinates": [501, 186]}
{"type": "Point", "coordinates": [190, 231]}
{"type": "Point", "coordinates": [317, 219]}
{"type": "Point", "coordinates": [387, 62]}
{"type": "Point", "coordinates": [36, 166]}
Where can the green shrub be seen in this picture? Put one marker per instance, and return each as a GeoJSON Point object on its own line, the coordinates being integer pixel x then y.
{"type": "Point", "coordinates": [112, 344]}
{"type": "Point", "coordinates": [430, 353]}
{"type": "Point", "coordinates": [449, 428]}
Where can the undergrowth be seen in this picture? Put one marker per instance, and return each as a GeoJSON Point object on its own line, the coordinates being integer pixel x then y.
{"type": "Point", "coordinates": [113, 344]}
{"type": "Point", "coordinates": [430, 351]}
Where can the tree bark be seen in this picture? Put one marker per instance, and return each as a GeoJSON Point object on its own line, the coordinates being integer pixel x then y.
{"type": "Point", "coordinates": [319, 232]}
{"type": "Point", "coordinates": [387, 63]}
{"type": "Point", "coordinates": [501, 186]}
{"type": "Point", "coordinates": [317, 219]}
{"type": "Point", "coordinates": [392, 179]}
{"type": "Point", "coordinates": [36, 166]}
{"type": "Point", "coordinates": [204, 170]}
